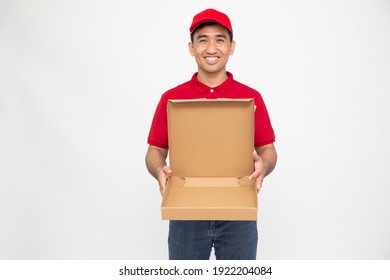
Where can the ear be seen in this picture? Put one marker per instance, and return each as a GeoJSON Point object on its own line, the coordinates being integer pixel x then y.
{"type": "Point", "coordinates": [232, 47]}
{"type": "Point", "coordinates": [191, 48]}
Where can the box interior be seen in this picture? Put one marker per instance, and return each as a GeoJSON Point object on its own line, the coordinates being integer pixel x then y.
{"type": "Point", "coordinates": [210, 153]}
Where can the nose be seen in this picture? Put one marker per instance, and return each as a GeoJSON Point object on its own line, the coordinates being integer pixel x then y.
{"type": "Point", "coordinates": [211, 47]}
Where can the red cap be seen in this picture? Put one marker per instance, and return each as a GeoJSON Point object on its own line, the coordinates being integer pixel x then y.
{"type": "Point", "coordinates": [211, 15]}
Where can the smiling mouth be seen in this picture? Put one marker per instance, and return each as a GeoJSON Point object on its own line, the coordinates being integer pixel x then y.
{"type": "Point", "coordinates": [212, 59]}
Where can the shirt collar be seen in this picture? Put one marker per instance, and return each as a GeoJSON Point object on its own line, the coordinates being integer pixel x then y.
{"type": "Point", "coordinates": [222, 88]}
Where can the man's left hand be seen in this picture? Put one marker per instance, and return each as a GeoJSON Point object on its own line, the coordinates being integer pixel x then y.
{"type": "Point", "coordinates": [260, 171]}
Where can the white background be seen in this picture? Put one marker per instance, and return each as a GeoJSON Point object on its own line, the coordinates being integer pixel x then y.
{"type": "Point", "coordinates": [79, 82]}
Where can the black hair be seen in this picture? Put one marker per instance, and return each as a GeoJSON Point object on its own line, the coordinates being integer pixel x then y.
{"type": "Point", "coordinates": [209, 23]}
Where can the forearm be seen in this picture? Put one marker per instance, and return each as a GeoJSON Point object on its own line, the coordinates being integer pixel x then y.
{"type": "Point", "coordinates": [155, 160]}
{"type": "Point", "coordinates": [268, 156]}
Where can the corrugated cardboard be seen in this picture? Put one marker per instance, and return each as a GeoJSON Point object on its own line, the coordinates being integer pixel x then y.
{"type": "Point", "coordinates": [211, 143]}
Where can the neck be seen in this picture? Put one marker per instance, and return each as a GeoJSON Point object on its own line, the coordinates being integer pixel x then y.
{"type": "Point", "coordinates": [212, 79]}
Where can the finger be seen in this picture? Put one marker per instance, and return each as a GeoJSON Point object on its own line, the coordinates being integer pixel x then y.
{"type": "Point", "coordinates": [162, 187]}
{"type": "Point", "coordinates": [161, 191]}
{"type": "Point", "coordinates": [259, 183]}
{"type": "Point", "coordinates": [167, 170]}
{"type": "Point", "coordinates": [162, 184]}
{"type": "Point", "coordinates": [254, 175]}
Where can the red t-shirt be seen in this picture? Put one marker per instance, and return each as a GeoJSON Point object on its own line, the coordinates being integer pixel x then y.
{"type": "Point", "coordinates": [264, 133]}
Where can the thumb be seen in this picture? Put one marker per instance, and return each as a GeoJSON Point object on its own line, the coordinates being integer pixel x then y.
{"type": "Point", "coordinates": [167, 170]}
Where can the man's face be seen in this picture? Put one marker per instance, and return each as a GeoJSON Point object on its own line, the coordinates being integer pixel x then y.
{"type": "Point", "coordinates": [211, 48]}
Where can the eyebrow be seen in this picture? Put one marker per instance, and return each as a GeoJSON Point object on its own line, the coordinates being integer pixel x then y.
{"type": "Point", "coordinates": [205, 36]}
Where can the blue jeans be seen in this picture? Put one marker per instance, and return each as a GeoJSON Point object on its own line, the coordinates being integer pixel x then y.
{"type": "Point", "coordinates": [193, 240]}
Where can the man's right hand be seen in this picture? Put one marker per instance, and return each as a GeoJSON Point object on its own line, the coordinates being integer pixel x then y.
{"type": "Point", "coordinates": [157, 166]}
{"type": "Point", "coordinates": [163, 176]}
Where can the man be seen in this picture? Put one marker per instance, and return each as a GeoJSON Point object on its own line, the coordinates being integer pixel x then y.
{"type": "Point", "coordinates": [211, 45]}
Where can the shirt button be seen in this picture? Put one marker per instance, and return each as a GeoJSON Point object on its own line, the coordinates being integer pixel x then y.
{"type": "Point", "coordinates": [211, 90]}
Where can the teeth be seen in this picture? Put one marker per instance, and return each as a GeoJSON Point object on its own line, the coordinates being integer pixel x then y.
{"type": "Point", "coordinates": [211, 58]}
